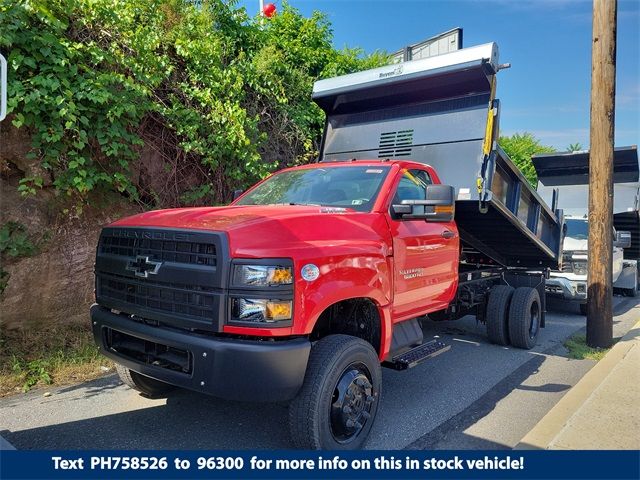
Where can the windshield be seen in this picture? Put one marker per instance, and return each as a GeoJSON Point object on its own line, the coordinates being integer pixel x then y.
{"type": "Point", "coordinates": [577, 228]}
{"type": "Point", "coordinates": [353, 187]}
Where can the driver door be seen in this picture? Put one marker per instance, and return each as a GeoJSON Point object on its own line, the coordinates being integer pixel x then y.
{"type": "Point", "coordinates": [425, 254]}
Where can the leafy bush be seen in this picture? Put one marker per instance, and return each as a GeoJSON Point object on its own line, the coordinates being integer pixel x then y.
{"type": "Point", "coordinates": [521, 147]}
{"type": "Point", "coordinates": [219, 99]}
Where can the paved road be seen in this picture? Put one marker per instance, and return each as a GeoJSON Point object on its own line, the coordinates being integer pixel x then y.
{"type": "Point", "coordinates": [476, 395]}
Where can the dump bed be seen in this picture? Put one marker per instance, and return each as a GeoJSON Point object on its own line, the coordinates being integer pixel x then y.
{"type": "Point", "coordinates": [568, 174]}
{"type": "Point", "coordinates": [442, 111]}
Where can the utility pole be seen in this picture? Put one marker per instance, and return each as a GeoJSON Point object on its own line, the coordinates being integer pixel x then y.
{"type": "Point", "coordinates": [603, 89]}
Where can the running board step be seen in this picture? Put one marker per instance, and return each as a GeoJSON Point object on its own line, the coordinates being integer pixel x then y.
{"type": "Point", "coordinates": [416, 355]}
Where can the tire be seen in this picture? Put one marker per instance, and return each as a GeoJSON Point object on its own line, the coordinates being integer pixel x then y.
{"type": "Point", "coordinates": [341, 369]}
{"type": "Point", "coordinates": [498, 314]}
{"type": "Point", "coordinates": [632, 292]}
{"type": "Point", "coordinates": [149, 387]}
{"type": "Point", "coordinates": [583, 309]}
{"type": "Point", "coordinates": [524, 318]}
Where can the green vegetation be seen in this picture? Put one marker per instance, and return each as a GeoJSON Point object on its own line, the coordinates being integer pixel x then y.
{"type": "Point", "coordinates": [574, 147]}
{"type": "Point", "coordinates": [220, 98]}
{"type": "Point", "coordinates": [58, 355]}
{"type": "Point", "coordinates": [578, 349]}
{"type": "Point", "coordinates": [14, 242]}
{"type": "Point", "coordinates": [520, 147]}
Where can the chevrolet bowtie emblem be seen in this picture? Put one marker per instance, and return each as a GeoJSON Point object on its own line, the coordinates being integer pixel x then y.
{"type": "Point", "coordinates": [143, 267]}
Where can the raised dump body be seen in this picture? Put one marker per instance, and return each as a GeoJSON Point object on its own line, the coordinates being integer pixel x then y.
{"type": "Point", "coordinates": [568, 173]}
{"type": "Point", "coordinates": [442, 111]}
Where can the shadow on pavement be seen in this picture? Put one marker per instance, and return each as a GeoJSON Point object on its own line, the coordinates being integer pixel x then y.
{"type": "Point", "coordinates": [549, 388]}
{"type": "Point", "coordinates": [456, 425]}
{"type": "Point", "coordinates": [624, 306]}
{"type": "Point", "coordinates": [94, 387]}
{"type": "Point", "coordinates": [186, 421]}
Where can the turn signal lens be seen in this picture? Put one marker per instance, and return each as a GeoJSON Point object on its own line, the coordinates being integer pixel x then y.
{"type": "Point", "coordinates": [278, 310]}
{"type": "Point", "coordinates": [261, 310]}
{"type": "Point", "coordinates": [280, 276]}
{"type": "Point", "coordinates": [262, 275]}
{"type": "Point", "coordinates": [444, 209]}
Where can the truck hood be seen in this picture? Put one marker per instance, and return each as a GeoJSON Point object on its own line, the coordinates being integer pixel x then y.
{"type": "Point", "coordinates": [274, 230]}
{"type": "Point", "coordinates": [573, 244]}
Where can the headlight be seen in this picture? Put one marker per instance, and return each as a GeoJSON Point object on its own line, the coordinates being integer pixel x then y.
{"type": "Point", "coordinates": [261, 310]}
{"type": "Point", "coordinates": [580, 268]}
{"type": "Point", "coordinates": [262, 275]}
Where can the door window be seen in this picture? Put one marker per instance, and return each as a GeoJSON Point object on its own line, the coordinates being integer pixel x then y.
{"type": "Point", "coordinates": [412, 186]}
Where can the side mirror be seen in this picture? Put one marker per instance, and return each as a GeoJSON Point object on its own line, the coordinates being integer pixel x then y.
{"type": "Point", "coordinates": [237, 193]}
{"type": "Point", "coordinates": [438, 206]}
{"type": "Point", "coordinates": [622, 240]}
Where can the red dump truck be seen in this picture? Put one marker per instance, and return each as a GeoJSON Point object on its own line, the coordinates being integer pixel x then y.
{"type": "Point", "coordinates": [309, 282]}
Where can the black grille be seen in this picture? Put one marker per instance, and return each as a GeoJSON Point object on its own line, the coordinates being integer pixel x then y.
{"type": "Point", "coordinates": [160, 250]}
{"type": "Point", "coordinates": [171, 298]}
{"type": "Point", "coordinates": [149, 352]}
{"type": "Point", "coordinates": [185, 287]}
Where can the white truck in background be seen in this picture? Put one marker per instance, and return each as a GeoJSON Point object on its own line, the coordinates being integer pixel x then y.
{"type": "Point", "coordinates": [3, 87]}
{"type": "Point", "coordinates": [563, 179]}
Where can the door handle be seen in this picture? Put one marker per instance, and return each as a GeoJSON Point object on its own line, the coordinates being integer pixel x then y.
{"type": "Point", "coordinates": [448, 234]}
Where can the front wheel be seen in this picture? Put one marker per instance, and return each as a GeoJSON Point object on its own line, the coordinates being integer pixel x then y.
{"type": "Point", "coordinates": [338, 401]}
{"type": "Point", "coordinates": [149, 387]}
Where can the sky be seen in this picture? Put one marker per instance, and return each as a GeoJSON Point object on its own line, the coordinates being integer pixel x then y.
{"type": "Point", "coordinates": [548, 42]}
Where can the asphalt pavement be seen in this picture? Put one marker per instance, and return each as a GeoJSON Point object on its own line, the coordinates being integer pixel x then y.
{"type": "Point", "coordinates": [476, 395]}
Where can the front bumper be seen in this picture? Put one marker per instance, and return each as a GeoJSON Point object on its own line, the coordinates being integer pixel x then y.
{"type": "Point", "coordinates": [573, 290]}
{"type": "Point", "coordinates": [234, 369]}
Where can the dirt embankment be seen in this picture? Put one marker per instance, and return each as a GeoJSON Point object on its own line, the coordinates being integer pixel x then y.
{"type": "Point", "coordinates": [54, 284]}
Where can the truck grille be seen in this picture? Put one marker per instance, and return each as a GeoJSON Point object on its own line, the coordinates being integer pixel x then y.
{"type": "Point", "coordinates": [567, 267]}
{"type": "Point", "coordinates": [160, 250]}
{"type": "Point", "coordinates": [172, 298]}
{"type": "Point", "coordinates": [170, 276]}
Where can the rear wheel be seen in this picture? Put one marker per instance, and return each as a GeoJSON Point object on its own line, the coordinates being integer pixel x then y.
{"type": "Point", "coordinates": [338, 401]}
{"type": "Point", "coordinates": [632, 292]}
{"type": "Point", "coordinates": [148, 386]}
{"type": "Point", "coordinates": [524, 317]}
{"type": "Point", "coordinates": [583, 309]}
{"type": "Point", "coordinates": [498, 314]}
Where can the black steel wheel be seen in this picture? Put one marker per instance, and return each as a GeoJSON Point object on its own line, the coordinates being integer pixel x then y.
{"type": "Point", "coordinates": [149, 387]}
{"type": "Point", "coordinates": [352, 402]}
{"type": "Point", "coordinates": [525, 314]}
{"type": "Point", "coordinates": [337, 404]}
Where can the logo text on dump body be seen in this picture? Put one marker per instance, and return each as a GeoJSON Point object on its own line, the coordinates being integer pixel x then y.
{"type": "Point", "coordinates": [395, 71]}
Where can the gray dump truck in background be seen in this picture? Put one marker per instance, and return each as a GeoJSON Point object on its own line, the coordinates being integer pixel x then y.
{"type": "Point", "coordinates": [565, 177]}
